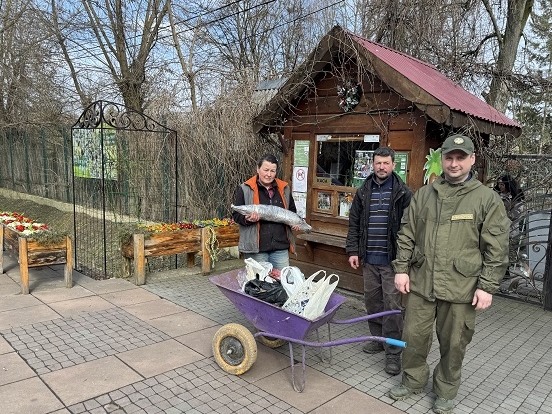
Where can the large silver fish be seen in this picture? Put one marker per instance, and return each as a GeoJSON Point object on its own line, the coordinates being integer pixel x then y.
{"type": "Point", "coordinates": [274, 213]}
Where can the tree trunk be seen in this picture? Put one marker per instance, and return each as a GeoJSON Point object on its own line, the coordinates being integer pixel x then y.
{"type": "Point", "coordinates": [517, 15]}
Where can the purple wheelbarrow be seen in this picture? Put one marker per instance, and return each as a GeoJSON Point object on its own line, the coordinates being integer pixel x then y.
{"type": "Point", "coordinates": [234, 346]}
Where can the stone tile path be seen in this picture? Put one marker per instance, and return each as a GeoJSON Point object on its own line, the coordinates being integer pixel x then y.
{"type": "Point", "coordinates": [112, 347]}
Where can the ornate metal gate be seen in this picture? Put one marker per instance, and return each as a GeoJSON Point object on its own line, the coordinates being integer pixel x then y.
{"type": "Point", "coordinates": [124, 171]}
{"type": "Point", "coordinates": [530, 272]}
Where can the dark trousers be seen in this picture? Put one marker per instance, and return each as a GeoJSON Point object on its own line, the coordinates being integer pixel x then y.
{"type": "Point", "coordinates": [455, 325]}
{"type": "Point", "coordinates": [381, 295]}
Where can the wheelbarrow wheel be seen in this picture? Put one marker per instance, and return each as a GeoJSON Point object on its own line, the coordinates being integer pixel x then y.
{"type": "Point", "coordinates": [234, 348]}
{"type": "Point", "coordinates": [270, 342]}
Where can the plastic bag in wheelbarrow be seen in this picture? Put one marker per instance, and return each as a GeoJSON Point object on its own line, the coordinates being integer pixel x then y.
{"type": "Point", "coordinates": [267, 292]}
{"type": "Point", "coordinates": [311, 298]}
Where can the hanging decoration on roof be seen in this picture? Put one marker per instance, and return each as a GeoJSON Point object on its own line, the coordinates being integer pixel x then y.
{"type": "Point", "coordinates": [349, 95]}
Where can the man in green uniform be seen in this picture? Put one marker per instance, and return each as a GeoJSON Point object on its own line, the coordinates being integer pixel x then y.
{"type": "Point", "coordinates": [452, 254]}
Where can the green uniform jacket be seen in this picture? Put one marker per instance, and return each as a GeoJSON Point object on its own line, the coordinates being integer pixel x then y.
{"type": "Point", "coordinates": [453, 239]}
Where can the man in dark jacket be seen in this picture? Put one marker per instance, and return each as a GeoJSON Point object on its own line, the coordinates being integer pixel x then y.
{"type": "Point", "coordinates": [374, 220]}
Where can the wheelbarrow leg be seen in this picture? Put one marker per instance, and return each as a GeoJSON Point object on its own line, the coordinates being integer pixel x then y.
{"type": "Point", "coordinates": [321, 353]}
{"type": "Point", "coordinates": [297, 387]}
{"type": "Point", "coordinates": [329, 340]}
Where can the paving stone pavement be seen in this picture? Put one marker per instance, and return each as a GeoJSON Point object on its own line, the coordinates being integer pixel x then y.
{"type": "Point", "coordinates": [112, 347]}
{"type": "Point", "coordinates": [60, 343]}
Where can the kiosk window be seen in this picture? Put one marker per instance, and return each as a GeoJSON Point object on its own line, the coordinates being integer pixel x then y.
{"type": "Point", "coordinates": [343, 160]}
{"type": "Point", "coordinates": [342, 164]}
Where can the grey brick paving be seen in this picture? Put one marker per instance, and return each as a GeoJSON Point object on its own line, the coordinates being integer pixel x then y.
{"type": "Point", "coordinates": [61, 343]}
{"type": "Point", "coordinates": [507, 367]}
{"type": "Point", "coordinates": [503, 370]}
{"type": "Point", "coordinates": [174, 392]}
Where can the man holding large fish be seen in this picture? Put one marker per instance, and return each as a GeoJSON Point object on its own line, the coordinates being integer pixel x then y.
{"type": "Point", "coordinates": [261, 238]}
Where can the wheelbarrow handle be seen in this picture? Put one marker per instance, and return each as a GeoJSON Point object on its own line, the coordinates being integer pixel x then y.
{"type": "Point", "coordinates": [365, 317]}
{"type": "Point", "coordinates": [395, 342]}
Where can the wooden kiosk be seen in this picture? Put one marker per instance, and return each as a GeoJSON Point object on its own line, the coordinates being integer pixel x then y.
{"type": "Point", "coordinates": [350, 97]}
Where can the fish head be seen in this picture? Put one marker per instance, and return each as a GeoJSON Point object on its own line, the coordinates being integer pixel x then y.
{"type": "Point", "coordinates": [304, 226]}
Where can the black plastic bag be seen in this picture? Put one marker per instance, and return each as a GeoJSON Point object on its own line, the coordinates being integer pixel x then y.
{"type": "Point", "coordinates": [268, 292]}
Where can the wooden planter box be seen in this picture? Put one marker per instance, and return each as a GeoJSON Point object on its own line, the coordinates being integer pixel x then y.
{"type": "Point", "coordinates": [190, 241]}
{"type": "Point", "coordinates": [31, 253]}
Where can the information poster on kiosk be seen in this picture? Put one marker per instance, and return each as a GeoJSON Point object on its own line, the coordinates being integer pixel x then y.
{"type": "Point", "coordinates": [300, 175]}
{"type": "Point", "coordinates": [301, 154]}
{"type": "Point", "coordinates": [401, 164]}
{"type": "Point", "coordinates": [362, 167]}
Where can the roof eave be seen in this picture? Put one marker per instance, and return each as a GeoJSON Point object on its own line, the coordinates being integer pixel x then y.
{"type": "Point", "coordinates": [457, 119]}
{"type": "Point", "coordinates": [434, 108]}
{"type": "Point", "coordinates": [272, 115]}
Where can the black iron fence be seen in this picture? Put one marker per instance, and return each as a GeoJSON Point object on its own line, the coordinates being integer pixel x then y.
{"type": "Point", "coordinates": [114, 165]}
{"type": "Point", "coordinates": [530, 269]}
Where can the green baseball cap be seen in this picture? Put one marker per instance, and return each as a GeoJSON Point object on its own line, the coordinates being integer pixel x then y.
{"type": "Point", "coordinates": [457, 142]}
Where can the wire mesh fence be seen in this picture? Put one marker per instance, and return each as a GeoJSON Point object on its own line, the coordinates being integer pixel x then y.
{"type": "Point", "coordinates": [36, 161]}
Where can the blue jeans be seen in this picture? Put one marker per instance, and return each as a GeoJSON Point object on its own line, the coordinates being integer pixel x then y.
{"type": "Point", "coordinates": [278, 258]}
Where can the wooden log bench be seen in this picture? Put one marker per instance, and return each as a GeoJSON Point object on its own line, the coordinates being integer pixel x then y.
{"type": "Point", "coordinates": [191, 242]}
{"type": "Point", "coordinates": [31, 253]}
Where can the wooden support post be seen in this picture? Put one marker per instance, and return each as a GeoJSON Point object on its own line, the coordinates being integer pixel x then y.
{"type": "Point", "coordinates": [190, 259]}
{"type": "Point", "coordinates": [139, 259]}
{"type": "Point", "coordinates": [206, 257]}
{"type": "Point", "coordinates": [23, 265]}
{"type": "Point", "coordinates": [69, 262]}
{"type": "Point", "coordinates": [1, 249]}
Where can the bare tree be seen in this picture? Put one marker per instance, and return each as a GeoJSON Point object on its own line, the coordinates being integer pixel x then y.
{"type": "Point", "coordinates": [531, 101]}
{"type": "Point", "coordinates": [118, 36]}
{"type": "Point", "coordinates": [294, 31]}
{"type": "Point", "coordinates": [126, 53]}
{"type": "Point", "coordinates": [29, 89]}
{"type": "Point", "coordinates": [239, 32]}
{"type": "Point", "coordinates": [507, 39]}
{"type": "Point", "coordinates": [455, 36]}
{"type": "Point", "coordinates": [61, 34]}
{"type": "Point", "coordinates": [186, 64]}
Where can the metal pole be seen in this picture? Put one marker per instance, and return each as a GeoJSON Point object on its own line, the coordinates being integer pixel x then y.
{"type": "Point", "coordinates": [67, 151]}
{"type": "Point", "coordinates": [103, 184]}
{"type": "Point", "coordinates": [547, 288]}
{"type": "Point", "coordinates": [75, 238]}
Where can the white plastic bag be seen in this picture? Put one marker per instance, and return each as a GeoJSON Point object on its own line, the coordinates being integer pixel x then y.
{"type": "Point", "coordinates": [291, 278]}
{"type": "Point", "coordinates": [296, 303]}
{"type": "Point", "coordinates": [317, 303]}
{"type": "Point", "coordinates": [262, 269]}
{"type": "Point", "coordinates": [242, 278]}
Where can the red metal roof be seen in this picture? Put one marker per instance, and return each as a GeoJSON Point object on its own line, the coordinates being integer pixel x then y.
{"type": "Point", "coordinates": [435, 83]}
